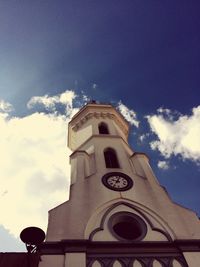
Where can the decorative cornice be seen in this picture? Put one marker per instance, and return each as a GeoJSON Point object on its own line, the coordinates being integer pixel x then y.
{"type": "Point", "coordinates": [95, 106]}
{"type": "Point", "coordinates": [99, 136]}
{"type": "Point", "coordinates": [87, 246]}
{"type": "Point", "coordinates": [99, 115]}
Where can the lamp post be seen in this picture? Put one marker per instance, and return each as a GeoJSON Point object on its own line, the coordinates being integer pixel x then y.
{"type": "Point", "coordinates": [32, 237]}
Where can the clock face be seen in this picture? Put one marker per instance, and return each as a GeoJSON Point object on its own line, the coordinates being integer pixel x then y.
{"type": "Point", "coordinates": [117, 181]}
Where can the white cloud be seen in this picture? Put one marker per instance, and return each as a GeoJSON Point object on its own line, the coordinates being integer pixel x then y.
{"type": "Point", "coordinates": [128, 114]}
{"type": "Point", "coordinates": [50, 102]}
{"type": "Point", "coordinates": [164, 110]}
{"type": "Point", "coordinates": [94, 86]}
{"type": "Point", "coordinates": [178, 137]}
{"type": "Point", "coordinates": [34, 169]}
{"type": "Point", "coordinates": [5, 106]}
{"type": "Point", "coordinates": [162, 164]}
{"type": "Point", "coordinates": [34, 162]}
{"type": "Point", "coordinates": [142, 137]}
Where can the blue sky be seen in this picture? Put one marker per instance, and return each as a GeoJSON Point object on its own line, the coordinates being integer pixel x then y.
{"type": "Point", "coordinates": [141, 56]}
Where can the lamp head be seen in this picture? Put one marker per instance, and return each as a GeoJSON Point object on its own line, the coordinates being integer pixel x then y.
{"type": "Point", "coordinates": [32, 237]}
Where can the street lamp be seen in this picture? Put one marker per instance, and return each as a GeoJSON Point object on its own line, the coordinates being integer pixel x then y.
{"type": "Point", "coordinates": [32, 237]}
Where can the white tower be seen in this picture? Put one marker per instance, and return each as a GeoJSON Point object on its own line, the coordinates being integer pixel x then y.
{"type": "Point", "coordinates": [117, 214]}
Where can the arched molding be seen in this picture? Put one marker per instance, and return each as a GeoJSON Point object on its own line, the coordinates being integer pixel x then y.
{"type": "Point", "coordinates": [141, 210]}
{"type": "Point", "coordinates": [135, 260]}
{"type": "Point", "coordinates": [178, 262]}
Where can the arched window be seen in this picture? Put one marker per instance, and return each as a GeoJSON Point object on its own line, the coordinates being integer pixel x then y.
{"type": "Point", "coordinates": [103, 128]}
{"type": "Point", "coordinates": [111, 158]}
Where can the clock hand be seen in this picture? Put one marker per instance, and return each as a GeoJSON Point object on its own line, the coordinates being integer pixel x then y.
{"type": "Point", "coordinates": [117, 181]}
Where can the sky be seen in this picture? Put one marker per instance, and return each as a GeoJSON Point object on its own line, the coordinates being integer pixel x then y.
{"type": "Point", "coordinates": [143, 57]}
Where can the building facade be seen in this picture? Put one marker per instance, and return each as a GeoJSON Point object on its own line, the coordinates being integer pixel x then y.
{"type": "Point", "coordinates": [118, 214]}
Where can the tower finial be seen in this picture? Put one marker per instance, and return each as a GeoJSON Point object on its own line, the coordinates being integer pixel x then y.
{"type": "Point", "coordinates": [92, 101]}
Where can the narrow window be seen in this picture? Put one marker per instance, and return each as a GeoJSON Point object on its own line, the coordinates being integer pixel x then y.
{"type": "Point", "coordinates": [111, 158]}
{"type": "Point", "coordinates": [103, 128]}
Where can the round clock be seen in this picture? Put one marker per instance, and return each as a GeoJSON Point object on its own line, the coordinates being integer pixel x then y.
{"type": "Point", "coordinates": [117, 181]}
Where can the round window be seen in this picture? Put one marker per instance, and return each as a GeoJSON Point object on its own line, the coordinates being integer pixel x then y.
{"type": "Point", "coordinates": [127, 226]}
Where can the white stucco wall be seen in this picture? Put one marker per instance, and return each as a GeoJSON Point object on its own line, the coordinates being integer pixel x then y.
{"type": "Point", "coordinates": [90, 200]}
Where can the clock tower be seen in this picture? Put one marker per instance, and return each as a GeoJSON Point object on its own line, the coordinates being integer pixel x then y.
{"type": "Point", "coordinates": [118, 214]}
